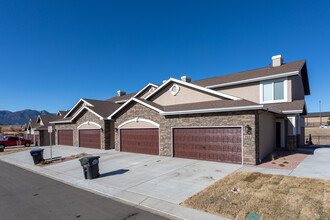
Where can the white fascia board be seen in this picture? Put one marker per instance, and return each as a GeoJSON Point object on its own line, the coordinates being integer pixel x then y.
{"type": "Point", "coordinates": [126, 103]}
{"type": "Point", "coordinates": [78, 112]}
{"type": "Point", "coordinates": [193, 86]}
{"type": "Point", "coordinates": [255, 79]}
{"type": "Point", "coordinates": [136, 100]}
{"type": "Point", "coordinates": [149, 84]}
{"type": "Point", "coordinates": [253, 107]}
{"type": "Point", "coordinates": [121, 101]}
{"type": "Point", "coordinates": [88, 109]}
{"type": "Point", "coordinates": [60, 122]}
{"type": "Point", "coordinates": [272, 110]}
{"type": "Point", "coordinates": [145, 104]}
{"type": "Point", "coordinates": [241, 108]}
{"type": "Point", "coordinates": [292, 112]}
{"type": "Point", "coordinates": [80, 100]}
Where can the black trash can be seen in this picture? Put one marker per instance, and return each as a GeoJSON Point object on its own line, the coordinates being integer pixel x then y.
{"type": "Point", "coordinates": [90, 166]}
{"type": "Point", "coordinates": [37, 155]}
{"type": "Point", "coordinates": [2, 148]}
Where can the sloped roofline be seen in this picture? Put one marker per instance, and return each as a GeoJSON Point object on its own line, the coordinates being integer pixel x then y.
{"type": "Point", "coordinates": [207, 90]}
{"type": "Point", "coordinates": [149, 84]}
{"type": "Point", "coordinates": [78, 113]}
{"type": "Point", "coordinates": [281, 75]}
{"type": "Point", "coordinates": [135, 100]}
{"type": "Point", "coordinates": [76, 106]}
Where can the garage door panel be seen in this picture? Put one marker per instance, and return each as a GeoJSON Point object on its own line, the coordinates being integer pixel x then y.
{"type": "Point", "coordinates": [214, 144]}
{"type": "Point", "coordinates": [65, 137]}
{"type": "Point", "coordinates": [144, 141]}
{"type": "Point", "coordinates": [90, 138]}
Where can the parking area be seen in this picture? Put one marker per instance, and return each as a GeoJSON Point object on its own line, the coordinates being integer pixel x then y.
{"type": "Point", "coordinates": [169, 179]}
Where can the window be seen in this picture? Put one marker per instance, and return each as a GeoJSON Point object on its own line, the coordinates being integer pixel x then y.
{"type": "Point", "coordinates": [273, 91]}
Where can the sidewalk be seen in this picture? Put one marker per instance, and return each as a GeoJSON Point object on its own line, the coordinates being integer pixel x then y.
{"type": "Point", "coordinates": [315, 165]}
{"type": "Point", "coordinates": [111, 185]}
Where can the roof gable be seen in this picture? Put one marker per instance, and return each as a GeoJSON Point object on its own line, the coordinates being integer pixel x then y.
{"type": "Point", "coordinates": [148, 89]}
{"type": "Point", "coordinates": [146, 103]}
{"type": "Point", "coordinates": [77, 107]}
{"type": "Point", "coordinates": [100, 108]}
{"type": "Point", "coordinates": [191, 86]}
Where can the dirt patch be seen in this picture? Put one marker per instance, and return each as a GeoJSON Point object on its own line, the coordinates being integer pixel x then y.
{"type": "Point", "coordinates": [283, 159]}
{"type": "Point", "coordinates": [272, 196]}
{"type": "Point", "coordinates": [13, 150]}
{"type": "Point", "coordinates": [63, 159]}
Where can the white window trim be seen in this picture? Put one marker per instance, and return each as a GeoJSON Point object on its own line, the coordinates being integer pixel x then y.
{"type": "Point", "coordinates": [285, 86]}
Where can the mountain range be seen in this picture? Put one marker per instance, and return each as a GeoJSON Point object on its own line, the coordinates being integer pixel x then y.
{"type": "Point", "coordinates": [20, 117]}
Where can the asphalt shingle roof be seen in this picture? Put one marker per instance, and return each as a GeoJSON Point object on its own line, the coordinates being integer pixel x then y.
{"type": "Point", "coordinates": [250, 74]}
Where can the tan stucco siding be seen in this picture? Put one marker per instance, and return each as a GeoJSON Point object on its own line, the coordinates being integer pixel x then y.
{"type": "Point", "coordinates": [139, 124]}
{"type": "Point", "coordinates": [249, 91]}
{"type": "Point", "coordinates": [297, 88]}
{"type": "Point", "coordinates": [88, 126]}
{"type": "Point", "coordinates": [184, 96]}
{"type": "Point", "coordinates": [267, 134]}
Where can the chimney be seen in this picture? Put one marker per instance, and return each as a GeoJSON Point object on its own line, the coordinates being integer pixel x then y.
{"type": "Point", "coordinates": [186, 79]}
{"type": "Point", "coordinates": [121, 93]}
{"type": "Point", "coordinates": [277, 60]}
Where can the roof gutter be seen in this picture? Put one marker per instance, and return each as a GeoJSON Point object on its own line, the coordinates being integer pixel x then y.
{"type": "Point", "coordinates": [60, 122]}
{"type": "Point", "coordinates": [231, 109]}
{"type": "Point", "coordinates": [254, 79]}
{"type": "Point", "coordinates": [241, 108]}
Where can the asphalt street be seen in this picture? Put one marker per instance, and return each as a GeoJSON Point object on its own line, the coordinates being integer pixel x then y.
{"type": "Point", "coordinates": [27, 195]}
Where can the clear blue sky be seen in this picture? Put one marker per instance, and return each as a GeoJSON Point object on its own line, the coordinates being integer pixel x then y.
{"type": "Point", "coordinates": [54, 52]}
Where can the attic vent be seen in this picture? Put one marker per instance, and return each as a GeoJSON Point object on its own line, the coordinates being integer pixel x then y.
{"type": "Point", "coordinates": [121, 93]}
{"type": "Point", "coordinates": [185, 79]}
{"type": "Point", "coordinates": [277, 60]}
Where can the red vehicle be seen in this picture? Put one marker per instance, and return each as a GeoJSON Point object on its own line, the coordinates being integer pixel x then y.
{"type": "Point", "coordinates": [13, 141]}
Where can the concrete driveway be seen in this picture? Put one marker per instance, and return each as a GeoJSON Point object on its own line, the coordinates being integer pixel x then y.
{"type": "Point", "coordinates": [169, 179]}
{"type": "Point", "coordinates": [316, 165]}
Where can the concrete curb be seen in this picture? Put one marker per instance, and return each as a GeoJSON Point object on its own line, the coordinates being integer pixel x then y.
{"type": "Point", "coordinates": [154, 205]}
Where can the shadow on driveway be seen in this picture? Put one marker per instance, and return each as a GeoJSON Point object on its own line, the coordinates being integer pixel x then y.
{"type": "Point", "coordinates": [113, 173]}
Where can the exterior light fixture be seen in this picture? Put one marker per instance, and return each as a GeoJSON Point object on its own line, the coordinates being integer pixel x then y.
{"type": "Point", "coordinates": [248, 129]}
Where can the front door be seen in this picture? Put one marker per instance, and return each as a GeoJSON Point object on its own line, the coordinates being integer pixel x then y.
{"type": "Point", "coordinates": [278, 134]}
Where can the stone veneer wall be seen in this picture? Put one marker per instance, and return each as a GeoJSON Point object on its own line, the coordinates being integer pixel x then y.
{"type": "Point", "coordinates": [292, 142]}
{"type": "Point", "coordinates": [87, 116]}
{"type": "Point", "coordinates": [250, 142]}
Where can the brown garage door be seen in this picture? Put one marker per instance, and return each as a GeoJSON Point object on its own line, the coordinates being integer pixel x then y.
{"type": "Point", "coordinates": [90, 138]}
{"type": "Point", "coordinates": [144, 141]}
{"type": "Point", "coordinates": [214, 144]}
{"type": "Point", "coordinates": [65, 137]}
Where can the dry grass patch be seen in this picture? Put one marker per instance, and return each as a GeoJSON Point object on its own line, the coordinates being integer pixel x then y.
{"type": "Point", "coordinates": [13, 150]}
{"type": "Point", "coordinates": [272, 196]}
